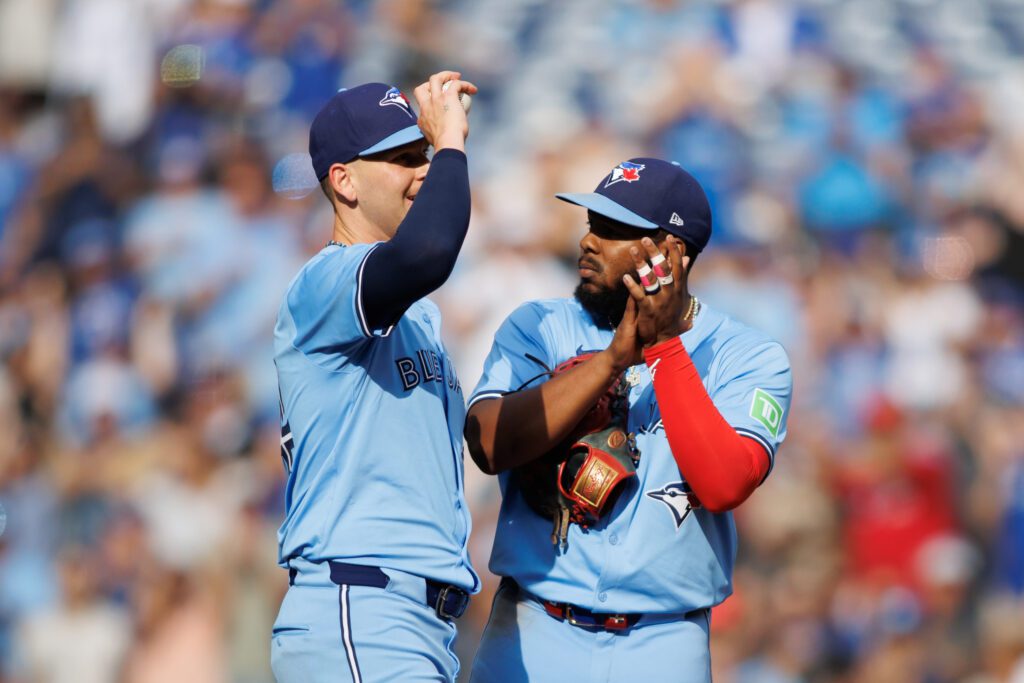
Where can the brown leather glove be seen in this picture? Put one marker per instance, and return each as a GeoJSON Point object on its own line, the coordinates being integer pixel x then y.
{"type": "Point", "coordinates": [579, 480]}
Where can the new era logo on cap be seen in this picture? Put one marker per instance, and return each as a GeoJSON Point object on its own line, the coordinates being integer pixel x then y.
{"type": "Point", "coordinates": [358, 122]}
{"type": "Point", "coordinates": [651, 194]}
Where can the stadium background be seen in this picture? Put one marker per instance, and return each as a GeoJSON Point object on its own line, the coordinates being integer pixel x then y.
{"type": "Point", "coordinates": [865, 161]}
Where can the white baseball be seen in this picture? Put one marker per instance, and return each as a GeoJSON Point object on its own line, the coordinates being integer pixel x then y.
{"type": "Point", "coordinates": [464, 97]}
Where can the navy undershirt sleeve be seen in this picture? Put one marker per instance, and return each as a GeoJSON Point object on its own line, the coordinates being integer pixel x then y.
{"type": "Point", "coordinates": [422, 254]}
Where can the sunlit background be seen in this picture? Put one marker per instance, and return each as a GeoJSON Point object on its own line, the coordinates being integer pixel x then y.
{"type": "Point", "coordinates": [865, 163]}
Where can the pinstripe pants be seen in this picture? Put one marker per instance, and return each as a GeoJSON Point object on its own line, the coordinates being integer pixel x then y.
{"type": "Point", "coordinates": [327, 633]}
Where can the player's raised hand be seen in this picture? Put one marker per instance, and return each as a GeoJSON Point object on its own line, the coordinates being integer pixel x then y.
{"type": "Point", "coordinates": [442, 118]}
{"type": "Point", "coordinates": [625, 350]}
{"type": "Point", "coordinates": [660, 290]}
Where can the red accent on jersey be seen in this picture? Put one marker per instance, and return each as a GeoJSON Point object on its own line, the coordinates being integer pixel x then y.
{"type": "Point", "coordinates": [722, 467]}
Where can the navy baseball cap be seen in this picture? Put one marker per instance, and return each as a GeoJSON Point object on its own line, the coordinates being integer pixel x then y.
{"type": "Point", "coordinates": [651, 194]}
{"type": "Point", "coordinates": [360, 121]}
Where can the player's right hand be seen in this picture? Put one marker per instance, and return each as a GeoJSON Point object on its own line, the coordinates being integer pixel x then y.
{"type": "Point", "coordinates": [442, 118]}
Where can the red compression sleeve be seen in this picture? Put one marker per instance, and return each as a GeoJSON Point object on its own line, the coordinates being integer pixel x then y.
{"type": "Point", "coordinates": [722, 467]}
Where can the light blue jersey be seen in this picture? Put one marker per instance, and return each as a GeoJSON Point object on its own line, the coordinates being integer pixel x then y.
{"type": "Point", "coordinates": [371, 430]}
{"type": "Point", "coordinates": [651, 553]}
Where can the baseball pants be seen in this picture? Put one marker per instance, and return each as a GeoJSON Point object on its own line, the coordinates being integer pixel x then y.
{"type": "Point", "coordinates": [329, 633]}
{"type": "Point", "coordinates": [522, 642]}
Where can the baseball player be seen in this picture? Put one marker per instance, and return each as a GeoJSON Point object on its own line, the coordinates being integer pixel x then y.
{"type": "Point", "coordinates": [626, 595]}
{"type": "Point", "coordinates": [375, 528]}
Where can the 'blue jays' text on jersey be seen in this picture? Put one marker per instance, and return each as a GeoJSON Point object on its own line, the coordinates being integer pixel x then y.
{"type": "Point", "coordinates": [651, 552]}
{"type": "Point", "coordinates": [371, 430]}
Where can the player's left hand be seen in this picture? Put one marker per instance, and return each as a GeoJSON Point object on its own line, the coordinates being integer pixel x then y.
{"type": "Point", "coordinates": [625, 349]}
{"type": "Point", "coordinates": [660, 312]}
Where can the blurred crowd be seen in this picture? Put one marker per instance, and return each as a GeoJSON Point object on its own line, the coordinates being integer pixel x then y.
{"type": "Point", "coordinates": [865, 163]}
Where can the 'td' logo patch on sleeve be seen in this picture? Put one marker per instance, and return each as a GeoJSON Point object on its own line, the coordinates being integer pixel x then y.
{"type": "Point", "coordinates": [766, 410]}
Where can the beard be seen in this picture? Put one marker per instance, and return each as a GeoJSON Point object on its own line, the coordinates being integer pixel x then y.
{"type": "Point", "coordinates": [605, 306]}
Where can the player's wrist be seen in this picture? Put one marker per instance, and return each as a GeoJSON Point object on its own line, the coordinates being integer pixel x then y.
{"type": "Point", "coordinates": [450, 140]}
{"type": "Point", "coordinates": [613, 363]}
{"type": "Point", "coordinates": [663, 337]}
{"type": "Point", "coordinates": [662, 348]}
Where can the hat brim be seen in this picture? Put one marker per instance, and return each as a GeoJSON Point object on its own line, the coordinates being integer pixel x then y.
{"type": "Point", "coordinates": [600, 204]}
{"type": "Point", "coordinates": [402, 137]}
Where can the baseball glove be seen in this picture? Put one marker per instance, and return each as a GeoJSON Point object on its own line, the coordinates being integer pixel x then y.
{"type": "Point", "coordinates": [580, 479]}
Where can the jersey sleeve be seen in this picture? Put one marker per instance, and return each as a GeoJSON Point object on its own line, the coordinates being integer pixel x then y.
{"type": "Point", "coordinates": [753, 392]}
{"type": "Point", "coordinates": [325, 302]}
{"type": "Point", "coordinates": [519, 357]}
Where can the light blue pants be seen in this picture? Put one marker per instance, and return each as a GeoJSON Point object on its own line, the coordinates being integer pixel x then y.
{"type": "Point", "coordinates": [327, 633]}
{"type": "Point", "coordinates": [522, 642]}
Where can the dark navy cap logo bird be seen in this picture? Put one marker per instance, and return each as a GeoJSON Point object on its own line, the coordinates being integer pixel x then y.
{"type": "Point", "coordinates": [394, 96]}
{"type": "Point", "coordinates": [626, 171]}
{"type": "Point", "coordinates": [679, 498]}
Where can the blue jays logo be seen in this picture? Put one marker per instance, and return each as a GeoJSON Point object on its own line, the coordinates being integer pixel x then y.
{"type": "Point", "coordinates": [626, 171]}
{"type": "Point", "coordinates": [653, 423]}
{"type": "Point", "coordinates": [287, 442]}
{"type": "Point", "coordinates": [394, 96]}
{"type": "Point", "coordinates": [678, 498]}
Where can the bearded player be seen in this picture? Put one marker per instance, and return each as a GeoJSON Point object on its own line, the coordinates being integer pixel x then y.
{"type": "Point", "coordinates": [615, 579]}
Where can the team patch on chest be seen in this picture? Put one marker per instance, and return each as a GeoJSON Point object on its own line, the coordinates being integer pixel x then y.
{"type": "Point", "coordinates": [679, 498]}
{"type": "Point", "coordinates": [426, 365]}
